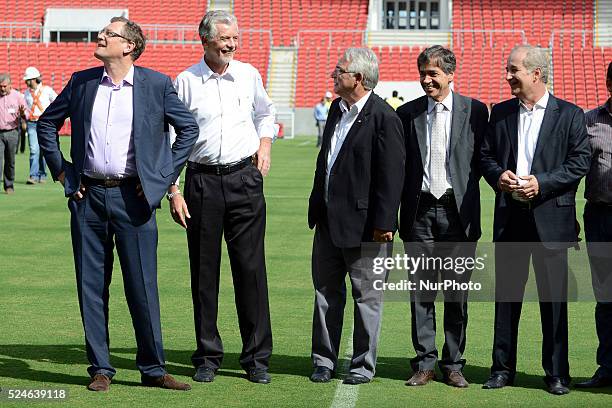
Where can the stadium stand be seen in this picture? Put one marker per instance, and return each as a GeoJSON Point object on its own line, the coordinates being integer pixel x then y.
{"type": "Point", "coordinates": [58, 61]}
{"type": "Point", "coordinates": [537, 18]}
{"type": "Point", "coordinates": [482, 33]}
{"type": "Point", "coordinates": [142, 11]}
{"type": "Point", "coordinates": [286, 17]}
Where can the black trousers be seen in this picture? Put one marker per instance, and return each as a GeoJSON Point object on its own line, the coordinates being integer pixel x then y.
{"type": "Point", "coordinates": [511, 274]}
{"type": "Point", "coordinates": [233, 206]}
{"type": "Point", "coordinates": [598, 234]}
{"type": "Point", "coordinates": [436, 231]}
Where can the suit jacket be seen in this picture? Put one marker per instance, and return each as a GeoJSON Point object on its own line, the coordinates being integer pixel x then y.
{"type": "Point", "coordinates": [155, 105]}
{"type": "Point", "coordinates": [366, 178]}
{"type": "Point", "coordinates": [561, 159]}
{"type": "Point", "coordinates": [468, 125]}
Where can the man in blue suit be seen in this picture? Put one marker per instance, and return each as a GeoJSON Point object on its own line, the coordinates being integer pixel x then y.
{"type": "Point", "coordinates": [122, 164]}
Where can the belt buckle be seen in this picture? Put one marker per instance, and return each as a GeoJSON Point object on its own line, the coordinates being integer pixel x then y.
{"type": "Point", "coordinates": [111, 183]}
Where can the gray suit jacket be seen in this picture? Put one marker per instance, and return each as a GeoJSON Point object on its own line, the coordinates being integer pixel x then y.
{"type": "Point", "coordinates": [468, 125]}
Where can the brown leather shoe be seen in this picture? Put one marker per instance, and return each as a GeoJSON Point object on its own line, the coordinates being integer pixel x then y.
{"type": "Point", "coordinates": [456, 379]}
{"type": "Point", "coordinates": [99, 382]}
{"type": "Point", "coordinates": [421, 377]}
{"type": "Point", "coordinates": [165, 381]}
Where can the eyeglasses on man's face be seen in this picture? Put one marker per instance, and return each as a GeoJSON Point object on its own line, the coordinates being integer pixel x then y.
{"type": "Point", "coordinates": [339, 71]}
{"type": "Point", "coordinates": [111, 34]}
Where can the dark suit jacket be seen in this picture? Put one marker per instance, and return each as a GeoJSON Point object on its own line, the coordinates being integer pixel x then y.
{"type": "Point", "coordinates": [366, 178]}
{"type": "Point", "coordinates": [155, 105]}
{"type": "Point", "coordinates": [468, 125]}
{"type": "Point", "coordinates": [561, 159]}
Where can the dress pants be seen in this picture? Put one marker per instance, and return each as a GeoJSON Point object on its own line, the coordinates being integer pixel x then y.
{"type": "Point", "coordinates": [436, 229]}
{"type": "Point", "coordinates": [598, 234]}
{"type": "Point", "coordinates": [8, 149]}
{"type": "Point", "coordinates": [330, 265]}
{"type": "Point", "coordinates": [106, 217]}
{"type": "Point", "coordinates": [511, 274]}
{"type": "Point", "coordinates": [233, 206]}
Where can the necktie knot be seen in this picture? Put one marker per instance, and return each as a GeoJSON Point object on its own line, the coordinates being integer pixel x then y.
{"type": "Point", "coordinates": [439, 108]}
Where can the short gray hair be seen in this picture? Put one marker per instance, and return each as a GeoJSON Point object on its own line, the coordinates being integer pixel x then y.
{"type": "Point", "coordinates": [363, 61]}
{"type": "Point", "coordinates": [535, 57]}
{"type": "Point", "coordinates": [4, 76]}
{"type": "Point", "coordinates": [208, 25]}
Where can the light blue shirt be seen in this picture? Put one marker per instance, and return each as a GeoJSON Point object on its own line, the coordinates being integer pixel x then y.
{"type": "Point", "coordinates": [320, 111]}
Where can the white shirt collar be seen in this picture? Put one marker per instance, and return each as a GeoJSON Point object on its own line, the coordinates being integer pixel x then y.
{"type": "Point", "coordinates": [207, 72]}
{"type": "Point", "coordinates": [129, 78]}
{"type": "Point", "coordinates": [446, 102]}
{"type": "Point", "coordinates": [541, 104]}
{"type": "Point", "coordinates": [357, 106]}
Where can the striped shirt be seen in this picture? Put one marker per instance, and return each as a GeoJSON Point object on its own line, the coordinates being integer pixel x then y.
{"type": "Point", "coordinates": [599, 178]}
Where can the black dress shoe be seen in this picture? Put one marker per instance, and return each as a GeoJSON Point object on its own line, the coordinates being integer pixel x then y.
{"type": "Point", "coordinates": [496, 381]}
{"type": "Point", "coordinates": [204, 374]}
{"type": "Point", "coordinates": [321, 375]}
{"type": "Point", "coordinates": [259, 376]}
{"type": "Point", "coordinates": [355, 379]}
{"type": "Point", "coordinates": [597, 381]}
{"type": "Point", "coordinates": [556, 386]}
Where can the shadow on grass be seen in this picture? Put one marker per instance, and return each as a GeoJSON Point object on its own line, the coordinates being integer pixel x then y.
{"type": "Point", "coordinates": [15, 363]}
{"type": "Point", "coordinates": [399, 369]}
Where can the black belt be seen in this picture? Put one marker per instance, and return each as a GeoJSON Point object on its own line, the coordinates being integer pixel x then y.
{"type": "Point", "coordinates": [7, 130]}
{"type": "Point", "coordinates": [448, 198]}
{"type": "Point", "coordinates": [220, 169]}
{"type": "Point", "coordinates": [108, 183]}
{"type": "Point", "coordinates": [599, 204]}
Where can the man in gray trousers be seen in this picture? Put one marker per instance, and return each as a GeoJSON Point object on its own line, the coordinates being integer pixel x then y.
{"type": "Point", "coordinates": [355, 199]}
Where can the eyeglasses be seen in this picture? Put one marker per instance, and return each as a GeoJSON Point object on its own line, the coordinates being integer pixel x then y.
{"type": "Point", "coordinates": [339, 71]}
{"type": "Point", "coordinates": [111, 34]}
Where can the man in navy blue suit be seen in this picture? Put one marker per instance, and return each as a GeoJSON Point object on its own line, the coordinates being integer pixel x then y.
{"type": "Point", "coordinates": [122, 164]}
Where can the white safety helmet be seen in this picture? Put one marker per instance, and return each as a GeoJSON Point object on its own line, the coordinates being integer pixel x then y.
{"type": "Point", "coordinates": [31, 73]}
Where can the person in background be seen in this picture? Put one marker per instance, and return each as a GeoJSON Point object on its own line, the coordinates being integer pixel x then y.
{"type": "Point", "coordinates": [395, 101]}
{"type": "Point", "coordinates": [38, 97]}
{"type": "Point", "coordinates": [12, 110]}
{"type": "Point", "coordinates": [321, 110]}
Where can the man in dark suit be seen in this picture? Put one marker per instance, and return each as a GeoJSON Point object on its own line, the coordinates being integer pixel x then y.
{"type": "Point", "coordinates": [534, 154]}
{"type": "Point", "coordinates": [440, 203]}
{"type": "Point", "coordinates": [598, 232]}
{"type": "Point", "coordinates": [122, 164]}
{"type": "Point", "coordinates": [354, 199]}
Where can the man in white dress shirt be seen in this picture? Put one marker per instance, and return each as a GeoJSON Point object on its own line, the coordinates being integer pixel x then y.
{"type": "Point", "coordinates": [534, 154]}
{"type": "Point", "coordinates": [224, 196]}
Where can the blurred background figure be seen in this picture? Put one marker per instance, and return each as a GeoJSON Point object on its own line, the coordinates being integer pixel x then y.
{"type": "Point", "coordinates": [320, 113]}
{"type": "Point", "coordinates": [37, 97]}
{"type": "Point", "coordinates": [12, 108]}
{"type": "Point", "coordinates": [395, 101]}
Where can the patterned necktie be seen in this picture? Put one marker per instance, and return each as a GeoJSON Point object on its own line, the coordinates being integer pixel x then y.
{"type": "Point", "coordinates": [437, 163]}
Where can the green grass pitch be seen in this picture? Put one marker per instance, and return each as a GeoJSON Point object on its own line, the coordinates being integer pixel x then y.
{"type": "Point", "coordinates": [41, 338]}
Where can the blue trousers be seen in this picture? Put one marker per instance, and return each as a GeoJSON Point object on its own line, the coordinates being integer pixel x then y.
{"type": "Point", "coordinates": [103, 219]}
{"type": "Point", "coordinates": [37, 160]}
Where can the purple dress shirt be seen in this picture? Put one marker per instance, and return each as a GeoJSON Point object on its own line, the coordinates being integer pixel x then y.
{"type": "Point", "coordinates": [110, 151]}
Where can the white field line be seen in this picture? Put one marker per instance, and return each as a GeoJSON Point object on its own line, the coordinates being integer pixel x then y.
{"type": "Point", "coordinates": [346, 395]}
